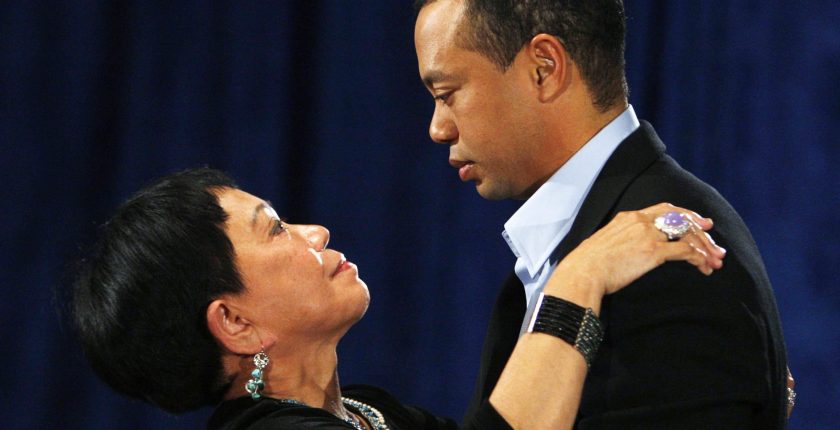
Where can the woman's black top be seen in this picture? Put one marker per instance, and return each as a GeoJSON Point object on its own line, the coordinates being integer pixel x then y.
{"type": "Point", "coordinates": [269, 414]}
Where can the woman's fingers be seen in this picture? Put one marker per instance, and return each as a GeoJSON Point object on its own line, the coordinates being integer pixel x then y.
{"type": "Point", "coordinates": [701, 243]}
{"type": "Point", "coordinates": [637, 245]}
{"type": "Point", "coordinates": [697, 234]}
{"type": "Point", "coordinates": [688, 252]}
{"type": "Point", "coordinates": [704, 223]}
{"type": "Point", "coordinates": [703, 240]}
{"type": "Point", "coordinates": [716, 251]}
{"type": "Point", "coordinates": [706, 239]}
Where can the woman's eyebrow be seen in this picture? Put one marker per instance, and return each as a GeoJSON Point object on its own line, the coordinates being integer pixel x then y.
{"type": "Point", "coordinates": [257, 210]}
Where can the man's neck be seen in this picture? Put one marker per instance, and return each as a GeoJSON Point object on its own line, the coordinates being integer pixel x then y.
{"type": "Point", "coordinates": [572, 133]}
{"type": "Point", "coordinates": [583, 129]}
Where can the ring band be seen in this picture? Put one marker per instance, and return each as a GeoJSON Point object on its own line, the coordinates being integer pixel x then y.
{"type": "Point", "coordinates": [674, 224]}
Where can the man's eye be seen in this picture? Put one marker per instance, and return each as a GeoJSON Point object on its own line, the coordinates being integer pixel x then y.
{"type": "Point", "coordinates": [443, 96]}
{"type": "Point", "coordinates": [278, 227]}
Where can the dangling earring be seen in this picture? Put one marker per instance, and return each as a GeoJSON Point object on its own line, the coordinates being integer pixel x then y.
{"type": "Point", "coordinates": [256, 384]}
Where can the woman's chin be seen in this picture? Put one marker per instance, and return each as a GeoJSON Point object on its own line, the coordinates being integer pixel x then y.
{"type": "Point", "coordinates": [356, 303]}
{"type": "Point", "coordinates": [366, 300]}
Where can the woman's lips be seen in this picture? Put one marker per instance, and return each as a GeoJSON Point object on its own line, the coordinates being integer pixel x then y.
{"type": "Point", "coordinates": [343, 265]}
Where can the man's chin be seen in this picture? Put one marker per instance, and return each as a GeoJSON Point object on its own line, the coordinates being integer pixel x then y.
{"type": "Point", "coordinates": [489, 192]}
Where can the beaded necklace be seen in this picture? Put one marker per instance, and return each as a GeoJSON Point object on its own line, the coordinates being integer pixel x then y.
{"type": "Point", "coordinates": [371, 414]}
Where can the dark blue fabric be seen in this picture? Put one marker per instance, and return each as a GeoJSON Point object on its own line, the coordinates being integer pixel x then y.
{"type": "Point", "coordinates": [317, 106]}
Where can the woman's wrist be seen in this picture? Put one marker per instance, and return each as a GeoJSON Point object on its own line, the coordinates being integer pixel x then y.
{"type": "Point", "coordinates": [577, 326]}
{"type": "Point", "coordinates": [577, 285]}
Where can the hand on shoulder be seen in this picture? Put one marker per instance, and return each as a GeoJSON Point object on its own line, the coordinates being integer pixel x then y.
{"type": "Point", "coordinates": [628, 247]}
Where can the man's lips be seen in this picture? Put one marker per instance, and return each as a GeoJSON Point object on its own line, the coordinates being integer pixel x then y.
{"type": "Point", "coordinates": [464, 168]}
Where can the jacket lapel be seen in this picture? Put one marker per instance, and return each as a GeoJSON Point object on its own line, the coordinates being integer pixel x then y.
{"type": "Point", "coordinates": [633, 156]}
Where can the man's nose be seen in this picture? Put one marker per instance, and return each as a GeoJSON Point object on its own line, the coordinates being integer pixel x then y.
{"type": "Point", "coordinates": [442, 129]}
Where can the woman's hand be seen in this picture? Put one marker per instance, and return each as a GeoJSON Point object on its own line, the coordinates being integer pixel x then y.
{"type": "Point", "coordinates": [544, 370]}
{"type": "Point", "coordinates": [630, 246]}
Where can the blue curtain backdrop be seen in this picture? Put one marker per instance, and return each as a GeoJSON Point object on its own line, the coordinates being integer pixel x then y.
{"type": "Point", "coordinates": [317, 106]}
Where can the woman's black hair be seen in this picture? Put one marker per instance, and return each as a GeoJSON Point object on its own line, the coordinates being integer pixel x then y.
{"type": "Point", "coordinates": [139, 302]}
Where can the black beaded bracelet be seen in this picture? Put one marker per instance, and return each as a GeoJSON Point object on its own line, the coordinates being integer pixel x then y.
{"type": "Point", "coordinates": [577, 326]}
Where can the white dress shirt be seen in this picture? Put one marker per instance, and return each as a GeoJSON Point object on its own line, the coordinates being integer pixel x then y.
{"type": "Point", "coordinates": [535, 230]}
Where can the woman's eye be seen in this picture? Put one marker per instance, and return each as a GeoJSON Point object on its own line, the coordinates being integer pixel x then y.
{"type": "Point", "coordinates": [278, 227]}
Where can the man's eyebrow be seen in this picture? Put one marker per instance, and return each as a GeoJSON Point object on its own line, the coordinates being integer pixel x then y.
{"type": "Point", "coordinates": [259, 208]}
{"type": "Point", "coordinates": [433, 76]}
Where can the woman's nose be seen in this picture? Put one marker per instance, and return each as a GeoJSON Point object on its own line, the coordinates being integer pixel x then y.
{"type": "Point", "coordinates": [317, 235]}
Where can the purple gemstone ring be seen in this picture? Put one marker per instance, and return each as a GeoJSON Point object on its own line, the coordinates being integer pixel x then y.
{"type": "Point", "coordinates": [674, 224]}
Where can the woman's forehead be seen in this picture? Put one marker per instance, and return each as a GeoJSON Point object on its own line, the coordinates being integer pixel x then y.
{"type": "Point", "coordinates": [245, 208]}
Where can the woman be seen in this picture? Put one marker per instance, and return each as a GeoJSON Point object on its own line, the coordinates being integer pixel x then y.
{"type": "Point", "coordinates": [199, 294]}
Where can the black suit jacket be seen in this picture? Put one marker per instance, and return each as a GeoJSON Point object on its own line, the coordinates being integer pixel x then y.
{"type": "Point", "coordinates": [681, 350]}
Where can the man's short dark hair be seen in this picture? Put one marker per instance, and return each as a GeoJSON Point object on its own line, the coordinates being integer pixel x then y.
{"type": "Point", "coordinates": [140, 299]}
{"type": "Point", "coordinates": [592, 31]}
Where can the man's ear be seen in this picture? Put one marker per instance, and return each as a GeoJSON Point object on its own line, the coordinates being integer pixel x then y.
{"type": "Point", "coordinates": [232, 329]}
{"type": "Point", "coordinates": [551, 65]}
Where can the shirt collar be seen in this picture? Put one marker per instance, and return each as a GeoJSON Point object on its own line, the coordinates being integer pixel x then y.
{"type": "Point", "coordinates": [546, 217]}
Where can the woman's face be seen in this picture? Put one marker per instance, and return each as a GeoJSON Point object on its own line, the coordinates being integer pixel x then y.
{"type": "Point", "coordinates": [295, 287]}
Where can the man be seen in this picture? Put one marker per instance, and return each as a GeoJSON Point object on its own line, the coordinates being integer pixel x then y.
{"type": "Point", "coordinates": [531, 98]}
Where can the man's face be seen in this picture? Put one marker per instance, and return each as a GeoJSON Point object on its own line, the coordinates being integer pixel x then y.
{"type": "Point", "coordinates": [487, 117]}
